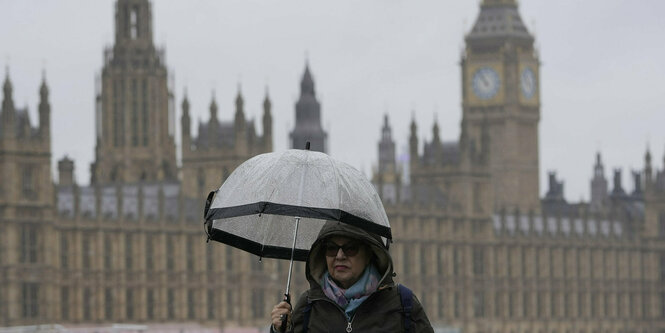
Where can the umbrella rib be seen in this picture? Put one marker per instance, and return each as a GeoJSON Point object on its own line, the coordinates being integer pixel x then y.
{"type": "Point", "coordinates": [265, 234]}
{"type": "Point", "coordinates": [282, 181]}
{"type": "Point", "coordinates": [336, 172]}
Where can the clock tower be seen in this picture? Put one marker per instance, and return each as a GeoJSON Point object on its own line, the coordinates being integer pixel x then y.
{"type": "Point", "coordinates": [500, 87]}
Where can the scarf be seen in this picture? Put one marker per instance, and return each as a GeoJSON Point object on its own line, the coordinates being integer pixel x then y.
{"type": "Point", "coordinates": [350, 299]}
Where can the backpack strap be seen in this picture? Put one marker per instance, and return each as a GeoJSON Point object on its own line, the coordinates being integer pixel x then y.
{"type": "Point", "coordinates": [305, 316]}
{"type": "Point", "coordinates": [406, 297]}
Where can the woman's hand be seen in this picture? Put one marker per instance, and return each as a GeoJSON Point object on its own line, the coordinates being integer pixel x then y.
{"type": "Point", "coordinates": [279, 313]}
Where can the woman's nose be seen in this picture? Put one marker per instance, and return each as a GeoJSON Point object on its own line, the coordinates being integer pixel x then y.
{"type": "Point", "coordinates": [340, 254]}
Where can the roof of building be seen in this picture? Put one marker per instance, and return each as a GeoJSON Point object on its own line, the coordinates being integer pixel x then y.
{"type": "Point", "coordinates": [449, 153]}
{"type": "Point", "coordinates": [225, 136]}
{"type": "Point", "coordinates": [499, 19]}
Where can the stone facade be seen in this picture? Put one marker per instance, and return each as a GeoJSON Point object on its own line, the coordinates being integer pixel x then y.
{"type": "Point", "coordinates": [482, 250]}
{"type": "Point", "coordinates": [473, 240]}
{"type": "Point", "coordinates": [220, 146]}
{"type": "Point", "coordinates": [135, 110]}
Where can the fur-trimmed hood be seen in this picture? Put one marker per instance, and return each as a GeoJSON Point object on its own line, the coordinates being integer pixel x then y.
{"type": "Point", "coordinates": [316, 261]}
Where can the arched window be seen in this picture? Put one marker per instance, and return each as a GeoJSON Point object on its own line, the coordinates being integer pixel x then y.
{"type": "Point", "coordinates": [134, 114]}
{"type": "Point", "coordinates": [118, 113]}
{"type": "Point", "coordinates": [144, 112]}
{"type": "Point", "coordinates": [133, 23]}
{"type": "Point", "coordinates": [28, 183]}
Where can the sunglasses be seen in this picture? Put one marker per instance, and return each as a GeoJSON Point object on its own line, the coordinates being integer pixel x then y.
{"type": "Point", "coordinates": [350, 249]}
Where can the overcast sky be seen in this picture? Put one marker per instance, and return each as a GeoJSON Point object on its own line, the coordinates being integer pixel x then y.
{"type": "Point", "coordinates": [601, 77]}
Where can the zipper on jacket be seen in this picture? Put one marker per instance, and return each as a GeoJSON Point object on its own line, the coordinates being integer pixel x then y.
{"type": "Point", "coordinates": [349, 328]}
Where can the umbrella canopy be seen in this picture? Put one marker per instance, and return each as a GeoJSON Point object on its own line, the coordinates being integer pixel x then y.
{"type": "Point", "coordinates": [254, 209]}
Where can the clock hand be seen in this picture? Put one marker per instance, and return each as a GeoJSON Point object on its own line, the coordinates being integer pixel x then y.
{"type": "Point", "coordinates": [486, 81]}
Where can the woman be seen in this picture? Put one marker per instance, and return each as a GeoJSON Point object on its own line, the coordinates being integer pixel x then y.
{"type": "Point", "coordinates": [351, 288]}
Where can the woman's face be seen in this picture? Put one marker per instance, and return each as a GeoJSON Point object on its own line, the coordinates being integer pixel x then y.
{"type": "Point", "coordinates": [346, 259]}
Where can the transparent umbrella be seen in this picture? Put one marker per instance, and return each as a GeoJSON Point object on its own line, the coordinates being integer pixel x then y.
{"type": "Point", "coordinates": [274, 205]}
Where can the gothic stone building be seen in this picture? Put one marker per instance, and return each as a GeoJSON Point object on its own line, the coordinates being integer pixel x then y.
{"type": "Point", "coordinates": [473, 239]}
{"type": "Point", "coordinates": [484, 253]}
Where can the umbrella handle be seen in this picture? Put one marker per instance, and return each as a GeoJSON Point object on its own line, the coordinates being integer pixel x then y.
{"type": "Point", "coordinates": [208, 203]}
{"type": "Point", "coordinates": [282, 327]}
{"type": "Point", "coordinates": [207, 225]}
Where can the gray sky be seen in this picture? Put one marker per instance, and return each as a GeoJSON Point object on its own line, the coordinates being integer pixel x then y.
{"type": "Point", "coordinates": [601, 78]}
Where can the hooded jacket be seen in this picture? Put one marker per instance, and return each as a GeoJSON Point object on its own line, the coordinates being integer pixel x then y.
{"type": "Point", "coordinates": [380, 312]}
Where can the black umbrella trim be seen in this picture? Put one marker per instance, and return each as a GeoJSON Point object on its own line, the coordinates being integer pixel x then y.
{"type": "Point", "coordinates": [264, 251]}
{"type": "Point", "coordinates": [264, 207]}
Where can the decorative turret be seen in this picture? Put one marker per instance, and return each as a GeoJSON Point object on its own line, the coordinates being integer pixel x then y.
{"type": "Point", "coordinates": [648, 171]}
{"type": "Point", "coordinates": [23, 124]}
{"type": "Point", "coordinates": [213, 123]}
{"type": "Point", "coordinates": [213, 108]}
{"type": "Point", "coordinates": [618, 191]}
{"type": "Point", "coordinates": [555, 189]}
{"type": "Point", "coordinates": [386, 148]}
{"type": "Point", "coordinates": [387, 178]}
{"type": "Point", "coordinates": [185, 122]}
{"type": "Point", "coordinates": [638, 192]}
{"type": "Point", "coordinates": [436, 147]}
{"type": "Point", "coordinates": [598, 186]}
{"type": "Point", "coordinates": [413, 143]}
{"type": "Point", "coordinates": [133, 23]}
{"type": "Point", "coordinates": [44, 111]}
{"type": "Point", "coordinates": [242, 141]}
{"type": "Point", "coordinates": [7, 88]}
{"type": "Point", "coordinates": [8, 111]}
{"type": "Point", "coordinates": [240, 113]}
{"type": "Point", "coordinates": [267, 123]}
{"type": "Point", "coordinates": [664, 163]}
{"type": "Point", "coordinates": [435, 132]}
{"type": "Point", "coordinates": [66, 172]}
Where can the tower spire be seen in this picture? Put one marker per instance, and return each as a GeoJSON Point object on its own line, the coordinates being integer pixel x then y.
{"type": "Point", "coordinates": [267, 105]}
{"type": "Point", "coordinates": [185, 122]}
{"type": "Point", "coordinates": [499, 2]}
{"type": "Point", "coordinates": [44, 109]}
{"type": "Point", "coordinates": [308, 117]}
{"type": "Point", "coordinates": [267, 122]}
{"type": "Point", "coordinates": [413, 140]}
{"type": "Point", "coordinates": [8, 112]}
{"type": "Point", "coordinates": [647, 160]}
{"type": "Point", "coordinates": [213, 108]}
{"type": "Point", "coordinates": [435, 130]}
{"type": "Point", "coordinates": [7, 86]}
{"type": "Point", "coordinates": [386, 148]}
{"type": "Point", "coordinates": [240, 111]}
{"type": "Point", "coordinates": [307, 83]}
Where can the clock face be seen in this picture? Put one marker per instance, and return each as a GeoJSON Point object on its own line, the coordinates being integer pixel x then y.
{"type": "Point", "coordinates": [485, 83]}
{"type": "Point", "coordinates": [528, 82]}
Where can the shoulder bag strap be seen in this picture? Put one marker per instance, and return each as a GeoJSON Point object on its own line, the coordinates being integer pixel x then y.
{"type": "Point", "coordinates": [406, 297]}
